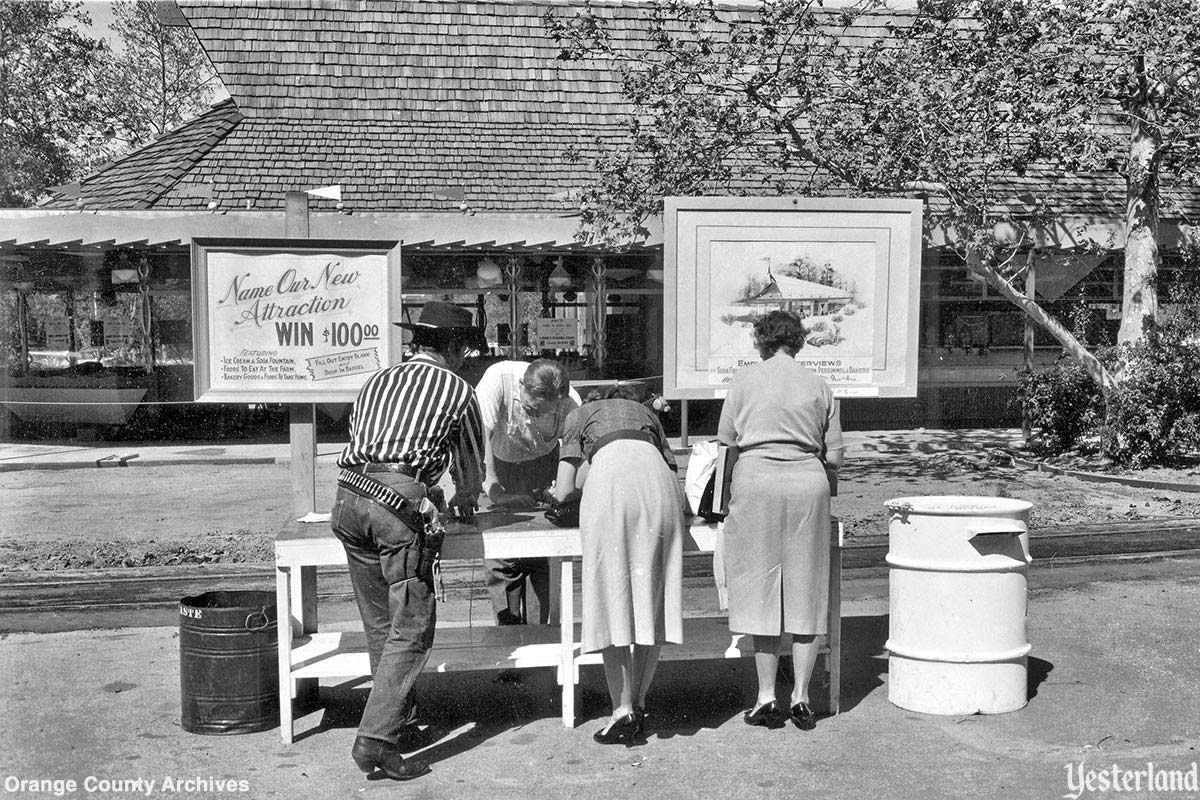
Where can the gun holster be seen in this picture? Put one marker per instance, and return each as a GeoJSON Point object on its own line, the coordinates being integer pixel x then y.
{"type": "Point", "coordinates": [429, 560]}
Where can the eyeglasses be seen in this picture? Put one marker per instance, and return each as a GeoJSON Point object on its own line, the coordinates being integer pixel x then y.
{"type": "Point", "coordinates": [534, 406]}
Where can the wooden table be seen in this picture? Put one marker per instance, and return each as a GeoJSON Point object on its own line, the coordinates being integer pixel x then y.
{"type": "Point", "coordinates": [306, 655]}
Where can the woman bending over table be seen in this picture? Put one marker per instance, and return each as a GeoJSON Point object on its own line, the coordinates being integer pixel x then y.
{"type": "Point", "coordinates": [631, 528]}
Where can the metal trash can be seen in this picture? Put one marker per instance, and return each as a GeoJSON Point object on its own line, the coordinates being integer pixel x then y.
{"type": "Point", "coordinates": [228, 662]}
{"type": "Point", "coordinates": [958, 582]}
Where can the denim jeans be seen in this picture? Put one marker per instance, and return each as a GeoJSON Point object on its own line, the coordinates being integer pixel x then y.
{"type": "Point", "coordinates": [398, 609]}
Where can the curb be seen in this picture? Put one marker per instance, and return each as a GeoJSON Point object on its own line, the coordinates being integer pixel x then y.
{"type": "Point", "coordinates": [1099, 477]}
{"type": "Point", "coordinates": [115, 461]}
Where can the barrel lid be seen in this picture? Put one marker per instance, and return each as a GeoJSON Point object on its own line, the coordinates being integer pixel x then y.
{"type": "Point", "coordinates": [959, 505]}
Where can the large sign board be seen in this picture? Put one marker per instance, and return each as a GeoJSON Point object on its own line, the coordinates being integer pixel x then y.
{"type": "Point", "coordinates": [292, 320]}
{"type": "Point", "coordinates": [850, 267]}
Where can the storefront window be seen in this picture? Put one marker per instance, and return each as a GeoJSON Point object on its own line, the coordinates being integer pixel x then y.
{"type": "Point", "coordinates": [554, 311]}
{"type": "Point", "coordinates": [960, 312]}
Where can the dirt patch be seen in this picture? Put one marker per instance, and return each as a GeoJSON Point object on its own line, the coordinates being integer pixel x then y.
{"type": "Point", "coordinates": [218, 514]}
{"type": "Point", "coordinates": [244, 548]}
{"type": "Point", "coordinates": [1058, 500]}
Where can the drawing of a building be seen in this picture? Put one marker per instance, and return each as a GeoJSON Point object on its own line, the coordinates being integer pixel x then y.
{"type": "Point", "coordinates": [806, 298]}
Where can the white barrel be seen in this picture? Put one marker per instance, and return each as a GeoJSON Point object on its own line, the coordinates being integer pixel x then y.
{"type": "Point", "coordinates": [958, 580]}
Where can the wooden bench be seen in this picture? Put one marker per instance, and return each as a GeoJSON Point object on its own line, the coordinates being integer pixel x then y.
{"type": "Point", "coordinates": [306, 654]}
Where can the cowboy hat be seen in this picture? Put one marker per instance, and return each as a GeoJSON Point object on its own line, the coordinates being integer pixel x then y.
{"type": "Point", "coordinates": [438, 316]}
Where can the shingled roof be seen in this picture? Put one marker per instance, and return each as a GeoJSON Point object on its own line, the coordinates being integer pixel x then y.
{"type": "Point", "coordinates": [412, 106]}
{"type": "Point", "coordinates": [407, 105]}
{"type": "Point", "coordinates": [141, 179]}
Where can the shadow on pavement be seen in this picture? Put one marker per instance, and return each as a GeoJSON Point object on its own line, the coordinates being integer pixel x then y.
{"type": "Point", "coordinates": [459, 711]}
{"type": "Point", "coordinates": [1038, 670]}
{"type": "Point", "coordinates": [864, 661]}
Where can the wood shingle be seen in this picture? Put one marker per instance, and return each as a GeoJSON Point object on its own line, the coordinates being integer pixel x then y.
{"type": "Point", "coordinates": [392, 97]}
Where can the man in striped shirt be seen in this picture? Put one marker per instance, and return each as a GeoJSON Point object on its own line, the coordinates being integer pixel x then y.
{"type": "Point", "coordinates": [410, 423]}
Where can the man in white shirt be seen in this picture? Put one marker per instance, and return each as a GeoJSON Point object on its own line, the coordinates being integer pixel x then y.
{"type": "Point", "coordinates": [524, 408]}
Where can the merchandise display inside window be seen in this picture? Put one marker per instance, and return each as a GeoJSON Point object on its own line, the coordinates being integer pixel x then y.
{"type": "Point", "coordinates": [962, 314]}
{"type": "Point", "coordinates": [551, 303]}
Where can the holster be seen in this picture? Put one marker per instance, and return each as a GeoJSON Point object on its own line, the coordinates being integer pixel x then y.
{"type": "Point", "coordinates": [429, 567]}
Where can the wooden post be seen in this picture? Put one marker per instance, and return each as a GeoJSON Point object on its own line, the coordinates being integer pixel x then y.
{"type": "Point", "coordinates": [23, 325]}
{"type": "Point", "coordinates": [302, 429]}
{"type": "Point", "coordinates": [302, 434]}
{"type": "Point", "coordinates": [72, 339]}
{"type": "Point", "coordinates": [683, 423]}
{"type": "Point", "coordinates": [1030, 330]}
{"type": "Point", "coordinates": [512, 272]}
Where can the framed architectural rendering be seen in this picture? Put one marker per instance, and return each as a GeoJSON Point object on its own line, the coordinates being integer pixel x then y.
{"type": "Point", "coordinates": [850, 267]}
{"type": "Point", "coordinates": [292, 320]}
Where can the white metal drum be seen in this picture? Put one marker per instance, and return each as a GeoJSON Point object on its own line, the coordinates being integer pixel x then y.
{"type": "Point", "coordinates": [958, 581]}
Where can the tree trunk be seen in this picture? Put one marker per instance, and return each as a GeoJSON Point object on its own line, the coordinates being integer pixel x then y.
{"type": "Point", "coordinates": [1076, 349]}
{"type": "Point", "coordinates": [1140, 300]}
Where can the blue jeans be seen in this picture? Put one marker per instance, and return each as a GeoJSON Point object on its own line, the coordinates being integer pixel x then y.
{"type": "Point", "coordinates": [398, 609]}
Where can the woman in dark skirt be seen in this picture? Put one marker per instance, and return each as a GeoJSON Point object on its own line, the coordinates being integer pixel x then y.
{"type": "Point", "coordinates": [784, 423]}
{"type": "Point", "coordinates": [631, 527]}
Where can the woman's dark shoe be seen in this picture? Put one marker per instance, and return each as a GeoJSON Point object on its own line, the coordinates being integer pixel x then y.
{"type": "Point", "coordinates": [769, 715]}
{"type": "Point", "coordinates": [624, 731]}
{"type": "Point", "coordinates": [803, 717]}
{"type": "Point", "coordinates": [372, 754]}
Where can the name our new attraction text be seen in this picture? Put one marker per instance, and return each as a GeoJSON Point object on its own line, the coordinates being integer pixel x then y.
{"type": "Point", "coordinates": [290, 297]}
{"type": "Point", "coordinates": [125, 787]}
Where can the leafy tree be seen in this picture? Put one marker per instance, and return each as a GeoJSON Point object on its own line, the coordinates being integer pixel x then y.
{"type": "Point", "coordinates": [161, 76]}
{"type": "Point", "coordinates": [48, 107]}
{"type": "Point", "coordinates": [984, 107]}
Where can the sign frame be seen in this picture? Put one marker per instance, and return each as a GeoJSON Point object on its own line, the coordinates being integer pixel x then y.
{"type": "Point", "coordinates": [695, 227]}
{"type": "Point", "coordinates": [390, 338]}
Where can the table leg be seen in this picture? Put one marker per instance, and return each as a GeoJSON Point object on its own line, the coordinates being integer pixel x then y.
{"type": "Point", "coordinates": [555, 580]}
{"type": "Point", "coordinates": [283, 625]}
{"type": "Point", "coordinates": [566, 666]}
{"type": "Point", "coordinates": [304, 604]}
{"type": "Point", "coordinates": [835, 624]}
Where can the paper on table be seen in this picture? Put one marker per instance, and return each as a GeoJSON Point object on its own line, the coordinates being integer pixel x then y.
{"type": "Point", "coordinates": [314, 516]}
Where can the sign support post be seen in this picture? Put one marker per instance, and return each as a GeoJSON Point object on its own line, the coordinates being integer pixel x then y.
{"type": "Point", "coordinates": [302, 438]}
{"type": "Point", "coordinates": [302, 422]}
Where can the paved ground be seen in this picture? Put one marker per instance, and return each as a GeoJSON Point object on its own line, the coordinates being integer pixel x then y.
{"type": "Point", "coordinates": [1113, 681]}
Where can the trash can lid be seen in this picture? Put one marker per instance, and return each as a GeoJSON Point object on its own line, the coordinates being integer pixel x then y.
{"type": "Point", "coordinates": [959, 505]}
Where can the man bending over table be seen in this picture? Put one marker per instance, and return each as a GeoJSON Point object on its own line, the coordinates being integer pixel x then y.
{"type": "Point", "coordinates": [409, 424]}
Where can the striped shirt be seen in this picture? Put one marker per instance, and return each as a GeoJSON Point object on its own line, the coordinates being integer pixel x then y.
{"type": "Point", "coordinates": [421, 414]}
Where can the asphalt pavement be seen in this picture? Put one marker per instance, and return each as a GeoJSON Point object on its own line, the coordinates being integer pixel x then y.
{"type": "Point", "coordinates": [1112, 687]}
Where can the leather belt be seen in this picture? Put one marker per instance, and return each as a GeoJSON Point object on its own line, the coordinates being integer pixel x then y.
{"type": "Point", "coordinates": [389, 498]}
{"type": "Point", "coordinates": [389, 466]}
{"type": "Point", "coordinates": [619, 435]}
